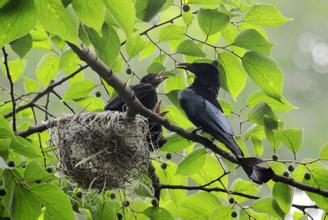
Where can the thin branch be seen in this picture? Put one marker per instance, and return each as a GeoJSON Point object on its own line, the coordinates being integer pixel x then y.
{"type": "Point", "coordinates": [65, 103]}
{"type": "Point", "coordinates": [40, 142]}
{"type": "Point", "coordinates": [46, 91]}
{"type": "Point", "coordinates": [217, 189]}
{"type": "Point", "coordinates": [13, 101]}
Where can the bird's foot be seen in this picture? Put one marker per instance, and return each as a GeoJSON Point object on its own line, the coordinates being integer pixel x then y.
{"type": "Point", "coordinates": [194, 132]}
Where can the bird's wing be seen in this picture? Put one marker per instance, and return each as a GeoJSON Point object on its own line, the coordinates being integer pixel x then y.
{"type": "Point", "coordinates": [207, 116]}
{"type": "Point", "coordinates": [140, 90]}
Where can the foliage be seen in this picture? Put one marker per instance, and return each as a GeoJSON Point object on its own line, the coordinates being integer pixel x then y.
{"type": "Point", "coordinates": [158, 34]}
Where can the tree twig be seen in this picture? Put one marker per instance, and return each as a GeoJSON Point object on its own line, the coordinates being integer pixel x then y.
{"type": "Point", "coordinates": [12, 95]}
{"type": "Point", "coordinates": [46, 91]}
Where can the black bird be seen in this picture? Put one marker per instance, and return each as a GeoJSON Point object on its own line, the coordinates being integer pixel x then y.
{"type": "Point", "coordinates": [199, 101]}
{"type": "Point", "coordinates": [145, 91]}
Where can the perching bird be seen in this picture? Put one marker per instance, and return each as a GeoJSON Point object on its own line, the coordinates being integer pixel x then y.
{"type": "Point", "coordinates": [145, 91]}
{"type": "Point", "coordinates": [199, 101]}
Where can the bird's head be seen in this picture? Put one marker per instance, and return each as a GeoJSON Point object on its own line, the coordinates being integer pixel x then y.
{"type": "Point", "coordinates": [206, 72]}
{"type": "Point", "coordinates": [154, 79]}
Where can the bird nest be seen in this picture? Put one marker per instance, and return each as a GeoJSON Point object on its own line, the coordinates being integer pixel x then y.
{"type": "Point", "coordinates": [101, 150]}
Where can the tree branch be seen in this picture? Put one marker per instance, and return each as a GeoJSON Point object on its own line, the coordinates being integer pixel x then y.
{"type": "Point", "coordinates": [217, 189]}
{"type": "Point", "coordinates": [12, 95]}
{"type": "Point", "coordinates": [46, 91]}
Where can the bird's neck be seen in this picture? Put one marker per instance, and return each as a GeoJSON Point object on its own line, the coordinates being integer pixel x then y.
{"type": "Point", "coordinates": [205, 87]}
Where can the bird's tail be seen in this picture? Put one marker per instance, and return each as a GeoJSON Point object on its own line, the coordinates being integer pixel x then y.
{"type": "Point", "coordinates": [251, 166]}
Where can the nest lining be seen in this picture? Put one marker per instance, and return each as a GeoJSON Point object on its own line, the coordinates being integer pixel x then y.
{"type": "Point", "coordinates": [102, 150]}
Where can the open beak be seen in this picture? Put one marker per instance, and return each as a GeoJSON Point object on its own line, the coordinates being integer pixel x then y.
{"type": "Point", "coordinates": [160, 79]}
{"type": "Point", "coordinates": [182, 65]}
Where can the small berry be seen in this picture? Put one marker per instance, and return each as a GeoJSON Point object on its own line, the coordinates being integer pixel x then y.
{"type": "Point", "coordinates": [119, 216]}
{"type": "Point", "coordinates": [126, 203]}
{"type": "Point", "coordinates": [291, 168]}
{"type": "Point", "coordinates": [128, 71]}
{"type": "Point", "coordinates": [2, 192]}
{"type": "Point", "coordinates": [79, 194]}
{"type": "Point", "coordinates": [163, 166]}
{"type": "Point", "coordinates": [168, 156]}
{"type": "Point", "coordinates": [38, 181]}
{"type": "Point", "coordinates": [234, 214]}
{"type": "Point", "coordinates": [154, 202]}
{"type": "Point", "coordinates": [286, 174]}
{"type": "Point", "coordinates": [185, 8]}
{"type": "Point", "coordinates": [11, 163]}
{"type": "Point", "coordinates": [98, 94]}
{"type": "Point", "coordinates": [215, 62]}
{"type": "Point", "coordinates": [275, 157]}
{"type": "Point", "coordinates": [49, 170]}
{"type": "Point", "coordinates": [112, 196]}
{"type": "Point", "coordinates": [231, 200]}
{"type": "Point", "coordinates": [307, 176]}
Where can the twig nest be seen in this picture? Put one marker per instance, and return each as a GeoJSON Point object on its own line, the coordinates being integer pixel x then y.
{"type": "Point", "coordinates": [102, 150]}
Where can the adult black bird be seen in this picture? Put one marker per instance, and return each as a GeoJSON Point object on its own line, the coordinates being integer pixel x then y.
{"type": "Point", "coordinates": [145, 91]}
{"type": "Point", "coordinates": [199, 101]}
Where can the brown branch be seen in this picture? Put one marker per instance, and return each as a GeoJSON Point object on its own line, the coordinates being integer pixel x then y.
{"type": "Point", "coordinates": [12, 95]}
{"type": "Point", "coordinates": [46, 91]}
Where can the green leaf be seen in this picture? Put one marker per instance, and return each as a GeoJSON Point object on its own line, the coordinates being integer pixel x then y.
{"type": "Point", "coordinates": [25, 148]}
{"type": "Point", "coordinates": [155, 68]}
{"type": "Point", "coordinates": [233, 70]}
{"type": "Point", "coordinates": [79, 90]}
{"type": "Point", "coordinates": [268, 206]}
{"type": "Point", "coordinates": [4, 144]}
{"type": "Point", "coordinates": [171, 32]}
{"type": "Point", "coordinates": [24, 198]}
{"type": "Point", "coordinates": [265, 73]}
{"type": "Point", "coordinates": [69, 62]}
{"type": "Point", "coordinates": [205, 2]}
{"type": "Point", "coordinates": [195, 205]}
{"type": "Point", "coordinates": [259, 112]}
{"type": "Point", "coordinates": [16, 69]}
{"type": "Point", "coordinates": [47, 68]}
{"type": "Point", "coordinates": [123, 12]}
{"type": "Point", "coordinates": [174, 83]}
{"type": "Point", "coordinates": [177, 117]}
{"type": "Point", "coordinates": [57, 204]}
{"type": "Point", "coordinates": [211, 21]}
{"type": "Point", "coordinates": [192, 163]}
{"type": "Point", "coordinates": [158, 213]}
{"type": "Point", "coordinates": [187, 17]}
{"type": "Point", "coordinates": [292, 138]}
{"type": "Point", "coordinates": [257, 146]}
{"type": "Point", "coordinates": [175, 143]}
{"type": "Point", "coordinates": [211, 170]}
{"type": "Point", "coordinates": [134, 45]}
{"type": "Point", "coordinates": [188, 47]}
{"type": "Point", "coordinates": [106, 51]}
{"type": "Point", "coordinates": [270, 128]}
{"type": "Point", "coordinates": [22, 45]}
{"type": "Point", "coordinates": [283, 195]}
{"type": "Point", "coordinates": [244, 186]}
{"type": "Point", "coordinates": [222, 212]}
{"type": "Point", "coordinates": [147, 9]}
{"type": "Point", "coordinates": [56, 19]}
{"type": "Point", "coordinates": [324, 152]}
{"type": "Point", "coordinates": [276, 106]}
{"type": "Point", "coordinates": [265, 15]}
{"type": "Point", "coordinates": [34, 171]}
{"type": "Point", "coordinates": [319, 179]}
{"type": "Point", "coordinates": [250, 39]}
{"type": "Point", "coordinates": [105, 210]}
{"type": "Point", "coordinates": [91, 103]}
{"type": "Point", "coordinates": [91, 13]}
{"type": "Point", "coordinates": [31, 85]}
{"type": "Point", "coordinates": [17, 18]}
{"type": "Point", "coordinates": [226, 107]}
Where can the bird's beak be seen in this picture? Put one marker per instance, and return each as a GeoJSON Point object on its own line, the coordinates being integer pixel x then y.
{"type": "Point", "coordinates": [160, 79]}
{"type": "Point", "coordinates": [182, 65]}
